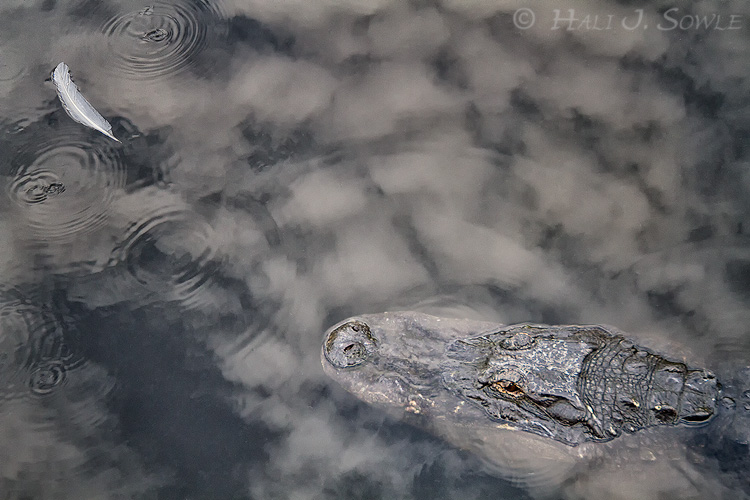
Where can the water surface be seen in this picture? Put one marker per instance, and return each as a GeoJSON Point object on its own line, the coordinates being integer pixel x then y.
{"type": "Point", "coordinates": [285, 165]}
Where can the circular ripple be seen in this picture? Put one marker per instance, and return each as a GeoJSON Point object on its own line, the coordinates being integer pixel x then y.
{"type": "Point", "coordinates": [12, 65]}
{"type": "Point", "coordinates": [63, 185]}
{"type": "Point", "coordinates": [170, 252]}
{"type": "Point", "coordinates": [161, 39]}
{"type": "Point", "coordinates": [36, 187]}
{"type": "Point", "coordinates": [34, 352]}
{"type": "Point", "coordinates": [15, 347]}
{"type": "Point", "coordinates": [46, 377]}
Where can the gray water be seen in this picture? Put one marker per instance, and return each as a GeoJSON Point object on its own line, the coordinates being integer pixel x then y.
{"type": "Point", "coordinates": [286, 164]}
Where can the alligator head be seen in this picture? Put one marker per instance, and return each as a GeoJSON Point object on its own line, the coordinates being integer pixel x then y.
{"type": "Point", "coordinates": [575, 383]}
{"type": "Point", "coordinates": [569, 383]}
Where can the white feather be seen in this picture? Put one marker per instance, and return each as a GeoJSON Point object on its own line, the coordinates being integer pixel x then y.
{"type": "Point", "coordinates": [77, 107]}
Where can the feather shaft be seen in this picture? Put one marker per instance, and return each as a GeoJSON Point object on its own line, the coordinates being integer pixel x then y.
{"type": "Point", "coordinates": [77, 107]}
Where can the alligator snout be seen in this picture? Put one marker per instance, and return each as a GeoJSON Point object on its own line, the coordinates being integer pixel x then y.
{"type": "Point", "coordinates": [349, 344]}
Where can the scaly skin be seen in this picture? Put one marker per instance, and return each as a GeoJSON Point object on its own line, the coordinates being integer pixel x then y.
{"type": "Point", "coordinates": [569, 383]}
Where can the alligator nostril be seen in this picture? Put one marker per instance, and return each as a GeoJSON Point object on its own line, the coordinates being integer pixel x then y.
{"type": "Point", "coordinates": [349, 345]}
{"type": "Point", "coordinates": [354, 350]}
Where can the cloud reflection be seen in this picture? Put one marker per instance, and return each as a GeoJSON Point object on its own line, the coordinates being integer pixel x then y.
{"type": "Point", "coordinates": [338, 157]}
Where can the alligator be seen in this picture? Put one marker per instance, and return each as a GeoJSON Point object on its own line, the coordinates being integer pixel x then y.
{"type": "Point", "coordinates": [572, 390]}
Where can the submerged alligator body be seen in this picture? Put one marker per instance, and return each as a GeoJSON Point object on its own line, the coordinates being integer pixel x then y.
{"type": "Point", "coordinates": [570, 389]}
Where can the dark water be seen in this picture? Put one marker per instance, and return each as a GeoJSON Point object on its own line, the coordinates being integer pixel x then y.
{"type": "Point", "coordinates": [284, 165]}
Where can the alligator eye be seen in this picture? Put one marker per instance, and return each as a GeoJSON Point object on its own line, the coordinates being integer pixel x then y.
{"type": "Point", "coordinates": [507, 387]}
{"type": "Point", "coordinates": [349, 345]}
